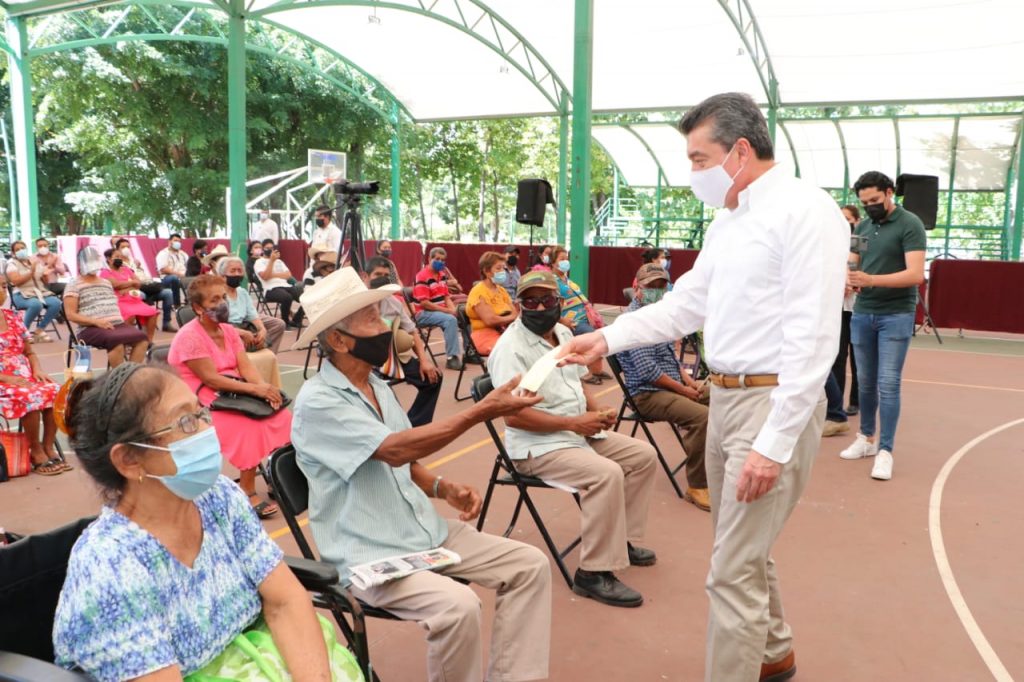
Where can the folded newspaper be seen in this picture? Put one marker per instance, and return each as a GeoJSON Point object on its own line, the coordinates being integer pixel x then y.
{"type": "Point", "coordinates": [374, 573]}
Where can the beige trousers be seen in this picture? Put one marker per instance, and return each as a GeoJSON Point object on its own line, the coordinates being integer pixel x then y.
{"type": "Point", "coordinates": [615, 480]}
{"type": "Point", "coordinates": [665, 406]}
{"type": "Point", "coordinates": [450, 612]}
{"type": "Point", "coordinates": [746, 625]}
{"type": "Point", "coordinates": [265, 363]}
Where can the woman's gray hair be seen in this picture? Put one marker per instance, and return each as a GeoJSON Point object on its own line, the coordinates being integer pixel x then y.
{"type": "Point", "coordinates": [222, 264]}
{"type": "Point", "coordinates": [732, 115]}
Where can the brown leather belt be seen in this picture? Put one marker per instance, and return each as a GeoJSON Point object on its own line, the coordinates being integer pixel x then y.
{"type": "Point", "coordinates": [744, 380]}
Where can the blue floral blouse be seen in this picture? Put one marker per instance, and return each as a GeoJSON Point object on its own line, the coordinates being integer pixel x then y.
{"type": "Point", "coordinates": [129, 608]}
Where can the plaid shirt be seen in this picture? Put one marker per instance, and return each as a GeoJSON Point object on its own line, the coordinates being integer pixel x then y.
{"type": "Point", "coordinates": [641, 366]}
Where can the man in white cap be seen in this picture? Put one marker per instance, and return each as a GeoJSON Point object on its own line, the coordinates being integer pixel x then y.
{"type": "Point", "coordinates": [368, 496]}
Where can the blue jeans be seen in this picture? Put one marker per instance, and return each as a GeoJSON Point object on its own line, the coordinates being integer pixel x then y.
{"type": "Point", "coordinates": [834, 395]}
{"type": "Point", "coordinates": [166, 297]}
{"type": "Point", "coordinates": [449, 327]}
{"type": "Point", "coordinates": [881, 343]}
{"type": "Point", "coordinates": [34, 306]}
{"type": "Point", "coordinates": [174, 284]}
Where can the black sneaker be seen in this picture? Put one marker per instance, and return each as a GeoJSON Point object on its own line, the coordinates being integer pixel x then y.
{"type": "Point", "coordinates": [453, 363]}
{"type": "Point", "coordinates": [638, 556]}
{"type": "Point", "coordinates": [604, 587]}
{"type": "Point", "coordinates": [852, 410]}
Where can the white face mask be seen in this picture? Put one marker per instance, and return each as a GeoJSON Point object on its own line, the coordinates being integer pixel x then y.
{"type": "Point", "coordinates": [43, 251]}
{"type": "Point", "coordinates": [711, 185]}
{"type": "Point", "coordinates": [126, 252]}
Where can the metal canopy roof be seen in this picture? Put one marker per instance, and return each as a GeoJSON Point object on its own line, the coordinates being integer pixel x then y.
{"type": "Point", "coordinates": [445, 59]}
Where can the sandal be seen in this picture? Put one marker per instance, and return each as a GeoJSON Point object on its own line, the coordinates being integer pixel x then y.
{"type": "Point", "coordinates": [51, 467]}
{"type": "Point", "coordinates": [264, 509]}
{"type": "Point", "coordinates": [593, 380]}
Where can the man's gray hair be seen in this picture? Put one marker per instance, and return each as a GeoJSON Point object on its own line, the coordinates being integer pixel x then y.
{"type": "Point", "coordinates": [732, 115]}
{"type": "Point", "coordinates": [438, 250]}
{"type": "Point", "coordinates": [225, 261]}
{"type": "Point", "coordinates": [342, 325]}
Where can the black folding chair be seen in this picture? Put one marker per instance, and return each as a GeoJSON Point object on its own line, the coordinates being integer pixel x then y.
{"type": "Point", "coordinates": [262, 305]}
{"type": "Point", "coordinates": [157, 354]}
{"type": "Point", "coordinates": [184, 315]}
{"type": "Point", "coordinates": [504, 473]}
{"type": "Point", "coordinates": [470, 355]}
{"type": "Point", "coordinates": [32, 572]}
{"type": "Point", "coordinates": [691, 345]}
{"type": "Point", "coordinates": [424, 330]}
{"type": "Point", "coordinates": [641, 422]}
{"type": "Point", "coordinates": [629, 293]}
{"type": "Point", "coordinates": [292, 492]}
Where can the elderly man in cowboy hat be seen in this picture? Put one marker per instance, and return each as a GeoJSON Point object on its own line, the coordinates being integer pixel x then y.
{"type": "Point", "coordinates": [369, 496]}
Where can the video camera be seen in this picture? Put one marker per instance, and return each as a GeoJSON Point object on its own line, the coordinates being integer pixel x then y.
{"type": "Point", "coordinates": [348, 187]}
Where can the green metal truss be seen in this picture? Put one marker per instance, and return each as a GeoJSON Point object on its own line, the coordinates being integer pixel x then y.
{"type": "Point", "coordinates": [471, 17]}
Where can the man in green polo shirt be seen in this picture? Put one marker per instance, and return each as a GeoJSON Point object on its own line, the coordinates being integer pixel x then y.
{"type": "Point", "coordinates": [885, 273]}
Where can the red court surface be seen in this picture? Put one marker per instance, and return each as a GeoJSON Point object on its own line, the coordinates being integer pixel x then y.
{"type": "Point", "coordinates": [865, 589]}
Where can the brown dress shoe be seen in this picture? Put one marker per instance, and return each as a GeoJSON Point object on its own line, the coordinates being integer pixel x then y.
{"type": "Point", "coordinates": [780, 670]}
{"type": "Point", "coordinates": [698, 497]}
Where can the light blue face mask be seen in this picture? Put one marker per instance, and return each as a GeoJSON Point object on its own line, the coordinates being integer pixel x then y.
{"type": "Point", "coordinates": [500, 277]}
{"type": "Point", "coordinates": [198, 459]}
{"type": "Point", "coordinates": [21, 254]}
{"type": "Point", "coordinates": [563, 265]}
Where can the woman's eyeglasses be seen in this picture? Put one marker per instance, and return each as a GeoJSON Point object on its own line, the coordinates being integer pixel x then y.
{"type": "Point", "coordinates": [534, 302]}
{"type": "Point", "coordinates": [188, 423]}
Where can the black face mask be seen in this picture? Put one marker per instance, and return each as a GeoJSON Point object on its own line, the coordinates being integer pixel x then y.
{"type": "Point", "coordinates": [876, 212]}
{"type": "Point", "coordinates": [386, 253]}
{"type": "Point", "coordinates": [373, 350]}
{"type": "Point", "coordinates": [540, 322]}
{"type": "Point", "coordinates": [512, 260]}
{"type": "Point", "coordinates": [234, 281]}
{"type": "Point", "coordinates": [378, 282]}
{"type": "Point", "coordinates": [267, 253]}
{"type": "Point", "coordinates": [117, 262]}
{"type": "Point", "coordinates": [321, 221]}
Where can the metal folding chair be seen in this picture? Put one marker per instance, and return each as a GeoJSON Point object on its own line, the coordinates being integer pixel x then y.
{"type": "Point", "coordinates": [641, 422]}
{"type": "Point", "coordinates": [470, 355]}
{"type": "Point", "coordinates": [504, 474]}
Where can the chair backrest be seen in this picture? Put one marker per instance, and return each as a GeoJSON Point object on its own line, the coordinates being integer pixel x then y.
{"type": "Point", "coordinates": [482, 385]}
{"type": "Point", "coordinates": [292, 490]}
{"type": "Point", "coordinates": [184, 315]}
{"type": "Point", "coordinates": [616, 367]}
{"type": "Point", "coordinates": [462, 317]}
{"type": "Point", "coordinates": [157, 354]}
{"type": "Point", "coordinates": [32, 572]}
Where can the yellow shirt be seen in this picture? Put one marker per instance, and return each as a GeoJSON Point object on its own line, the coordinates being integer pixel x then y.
{"type": "Point", "coordinates": [497, 298]}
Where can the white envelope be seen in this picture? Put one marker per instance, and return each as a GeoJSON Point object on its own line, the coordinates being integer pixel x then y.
{"type": "Point", "coordinates": [540, 371]}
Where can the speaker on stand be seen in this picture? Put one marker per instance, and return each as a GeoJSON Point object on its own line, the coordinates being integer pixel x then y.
{"type": "Point", "coordinates": [921, 197]}
{"type": "Point", "coordinates": [532, 198]}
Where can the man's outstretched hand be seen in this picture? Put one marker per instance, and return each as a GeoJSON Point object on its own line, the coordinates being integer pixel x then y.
{"type": "Point", "coordinates": [502, 401]}
{"type": "Point", "coordinates": [583, 350]}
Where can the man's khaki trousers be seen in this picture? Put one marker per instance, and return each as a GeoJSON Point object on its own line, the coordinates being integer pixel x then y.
{"type": "Point", "coordinates": [746, 626]}
{"type": "Point", "coordinates": [614, 479]}
{"type": "Point", "coordinates": [450, 612]}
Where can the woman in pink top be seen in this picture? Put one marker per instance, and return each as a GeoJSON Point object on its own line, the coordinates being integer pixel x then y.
{"type": "Point", "coordinates": [209, 356]}
{"type": "Point", "coordinates": [129, 295]}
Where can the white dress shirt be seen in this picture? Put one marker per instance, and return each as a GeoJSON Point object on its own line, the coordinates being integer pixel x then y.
{"type": "Point", "coordinates": [274, 282]}
{"type": "Point", "coordinates": [327, 238]}
{"type": "Point", "coordinates": [266, 229]}
{"type": "Point", "coordinates": [768, 290]}
{"type": "Point", "coordinates": [172, 258]}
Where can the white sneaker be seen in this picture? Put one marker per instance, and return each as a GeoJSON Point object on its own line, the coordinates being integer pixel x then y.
{"type": "Point", "coordinates": [861, 447]}
{"type": "Point", "coordinates": [882, 471]}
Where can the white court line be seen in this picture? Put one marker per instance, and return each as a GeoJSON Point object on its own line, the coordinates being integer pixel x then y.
{"type": "Point", "coordinates": [988, 654]}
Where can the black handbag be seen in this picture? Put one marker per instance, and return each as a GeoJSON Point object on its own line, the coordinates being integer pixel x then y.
{"type": "Point", "coordinates": [248, 405]}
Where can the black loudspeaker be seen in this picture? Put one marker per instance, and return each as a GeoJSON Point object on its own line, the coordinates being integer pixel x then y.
{"type": "Point", "coordinates": [920, 196]}
{"type": "Point", "coordinates": [532, 198]}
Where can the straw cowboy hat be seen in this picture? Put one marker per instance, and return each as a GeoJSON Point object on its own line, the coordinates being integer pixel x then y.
{"type": "Point", "coordinates": [219, 250]}
{"type": "Point", "coordinates": [334, 298]}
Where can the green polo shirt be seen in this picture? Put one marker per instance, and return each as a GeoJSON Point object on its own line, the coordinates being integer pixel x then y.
{"type": "Point", "coordinates": [900, 232]}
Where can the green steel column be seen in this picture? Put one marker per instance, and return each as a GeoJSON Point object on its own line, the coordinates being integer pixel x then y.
{"type": "Point", "coordinates": [582, 72]}
{"type": "Point", "coordinates": [237, 137]}
{"type": "Point", "coordinates": [396, 173]}
{"type": "Point", "coordinates": [563, 168]}
{"type": "Point", "coordinates": [1018, 205]}
{"type": "Point", "coordinates": [657, 213]}
{"type": "Point", "coordinates": [1004, 249]}
{"type": "Point", "coordinates": [773, 107]}
{"type": "Point", "coordinates": [953, 144]}
{"type": "Point", "coordinates": [24, 131]}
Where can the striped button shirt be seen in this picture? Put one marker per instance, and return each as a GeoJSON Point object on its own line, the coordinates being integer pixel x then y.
{"type": "Point", "coordinates": [360, 509]}
{"type": "Point", "coordinates": [642, 366]}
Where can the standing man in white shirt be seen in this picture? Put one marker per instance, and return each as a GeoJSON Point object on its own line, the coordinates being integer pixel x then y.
{"type": "Point", "coordinates": [170, 264]}
{"type": "Point", "coordinates": [326, 235]}
{"type": "Point", "coordinates": [266, 228]}
{"type": "Point", "coordinates": [767, 288]}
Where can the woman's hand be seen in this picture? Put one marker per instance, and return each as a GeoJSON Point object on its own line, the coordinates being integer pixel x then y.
{"type": "Point", "coordinates": [41, 376]}
{"type": "Point", "coordinates": [269, 393]}
{"type": "Point", "coordinates": [248, 339]}
{"type": "Point", "coordinates": [12, 380]}
{"type": "Point", "coordinates": [261, 335]}
{"type": "Point", "coordinates": [568, 323]}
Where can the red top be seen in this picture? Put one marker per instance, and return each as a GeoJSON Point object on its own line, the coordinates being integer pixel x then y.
{"type": "Point", "coordinates": [430, 286]}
